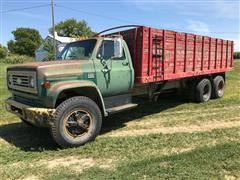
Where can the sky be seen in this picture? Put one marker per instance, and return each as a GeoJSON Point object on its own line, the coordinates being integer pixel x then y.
{"type": "Point", "coordinates": [215, 18]}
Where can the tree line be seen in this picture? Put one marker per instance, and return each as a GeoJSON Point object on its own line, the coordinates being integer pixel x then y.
{"type": "Point", "coordinates": [27, 40]}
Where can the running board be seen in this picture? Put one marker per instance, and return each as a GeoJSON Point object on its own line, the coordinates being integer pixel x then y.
{"type": "Point", "coordinates": [121, 108]}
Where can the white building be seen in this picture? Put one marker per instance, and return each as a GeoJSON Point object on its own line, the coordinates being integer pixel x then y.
{"type": "Point", "coordinates": [61, 42]}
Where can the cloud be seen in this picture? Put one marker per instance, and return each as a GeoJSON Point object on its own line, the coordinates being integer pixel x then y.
{"type": "Point", "coordinates": [236, 43]}
{"type": "Point", "coordinates": [147, 6]}
{"type": "Point", "coordinates": [216, 9]}
{"type": "Point", "coordinates": [198, 27]}
{"type": "Point", "coordinates": [227, 9]}
{"type": "Point", "coordinates": [190, 13]}
{"type": "Point", "coordinates": [151, 5]}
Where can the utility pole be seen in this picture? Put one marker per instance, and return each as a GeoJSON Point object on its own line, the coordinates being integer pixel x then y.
{"type": "Point", "coordinates": [53, 29]}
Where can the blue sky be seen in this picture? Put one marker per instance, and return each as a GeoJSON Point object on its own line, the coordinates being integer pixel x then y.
{"type": "Point", "coordinates": [217, 18]}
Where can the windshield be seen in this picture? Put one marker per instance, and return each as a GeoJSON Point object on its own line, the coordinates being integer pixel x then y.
{"type": "Point", "coordinates": [78, 50]}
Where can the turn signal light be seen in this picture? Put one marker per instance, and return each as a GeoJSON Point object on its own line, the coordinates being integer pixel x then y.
{"type": "Point", "coordinates": [46, 84]}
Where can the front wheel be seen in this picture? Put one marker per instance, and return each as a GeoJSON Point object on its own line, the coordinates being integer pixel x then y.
{"type": "Point", "coordinates": [77, 121]}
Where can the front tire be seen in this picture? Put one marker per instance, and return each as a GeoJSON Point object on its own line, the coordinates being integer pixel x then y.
{"type": "Point", "coordinates": [77, 121]}
{"type": "Point", "coordinates": [203, 90]}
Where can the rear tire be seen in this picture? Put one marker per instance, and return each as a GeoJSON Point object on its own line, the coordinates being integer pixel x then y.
{"type": "Point", "coordinates": [203, 90]}
{"type": "Point", "coordinates": [218, 87]}
{"type": "Point", "coordinates": [77, 121]}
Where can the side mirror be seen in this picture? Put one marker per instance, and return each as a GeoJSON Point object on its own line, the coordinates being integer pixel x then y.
{"type": "Point", "coordinates": [118, 47]}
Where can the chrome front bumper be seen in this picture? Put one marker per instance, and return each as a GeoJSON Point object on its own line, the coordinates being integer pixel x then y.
{"type": "Point", "coordinates": [42, 117]}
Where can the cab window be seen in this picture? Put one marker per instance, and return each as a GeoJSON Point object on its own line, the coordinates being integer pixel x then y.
{"type": "Point", "coordinates": [106, 51]}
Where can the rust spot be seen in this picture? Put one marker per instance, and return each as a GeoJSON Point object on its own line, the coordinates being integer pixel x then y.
{"type": "Point", "coordinates": [67, 85]}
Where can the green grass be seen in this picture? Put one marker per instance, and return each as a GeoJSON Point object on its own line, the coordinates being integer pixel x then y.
{"type": "Point", "coordinates": [27, 152]}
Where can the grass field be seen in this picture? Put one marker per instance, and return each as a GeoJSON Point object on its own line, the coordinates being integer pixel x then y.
{"type": "Point", "coordinates": [168, 139]}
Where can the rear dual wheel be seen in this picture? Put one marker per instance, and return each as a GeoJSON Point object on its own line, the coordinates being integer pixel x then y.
{"type": "Point", "coordinates": [206, 90]}
{"type": "Point", "coordinates": [203, 90]}
{"type": "Point", "coordinates": [77, 121]}
{"type": "Point", "coordinates": [218, 87]}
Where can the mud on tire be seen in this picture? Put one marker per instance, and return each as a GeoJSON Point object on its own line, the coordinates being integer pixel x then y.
{"type": "Point", "coordinates": [77, 121]}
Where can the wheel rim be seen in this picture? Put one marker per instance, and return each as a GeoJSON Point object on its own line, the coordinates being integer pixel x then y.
{"type": "Point", "coordinates": [78, 123]}
{"type": "Point", "coordinates": [206, 92]}
{"type": "Point", "coordinates": [220, 88]}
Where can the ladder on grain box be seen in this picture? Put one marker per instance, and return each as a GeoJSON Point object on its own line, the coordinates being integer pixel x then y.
{"type": "Point", "coordinates": [157, 57]}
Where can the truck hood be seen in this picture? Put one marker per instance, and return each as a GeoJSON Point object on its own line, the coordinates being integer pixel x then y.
{"type": "Point", "coordinates": [54, 68]}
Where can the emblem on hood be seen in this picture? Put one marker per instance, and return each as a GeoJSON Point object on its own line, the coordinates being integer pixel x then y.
{"type": "Point", "coordinates": [18, 81]}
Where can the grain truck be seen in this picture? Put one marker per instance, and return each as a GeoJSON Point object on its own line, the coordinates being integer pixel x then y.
{"type": "Point", "coordinates": [96, 77]}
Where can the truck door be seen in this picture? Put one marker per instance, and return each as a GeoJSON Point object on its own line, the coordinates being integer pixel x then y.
{"type": "Point", "coordinates": [113, 75]}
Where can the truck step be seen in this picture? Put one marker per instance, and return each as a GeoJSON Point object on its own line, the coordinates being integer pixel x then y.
{"type": "Point", "coordinates": [121, 108]}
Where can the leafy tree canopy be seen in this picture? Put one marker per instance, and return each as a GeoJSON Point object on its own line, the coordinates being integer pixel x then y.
{"type": "Point", "coordinates": [26, 41]}
{"type": "Point", "coordinates": [73, 28]}
{"type": "Point", "coordinates": [236, 55]}
{"type": "Point", "coordinates": [3, 52]}
{"type": "Point", "coordinates": [48, 46]}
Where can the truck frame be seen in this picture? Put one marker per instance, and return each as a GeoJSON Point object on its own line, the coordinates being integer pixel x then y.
{"type": "Point", "coordinates": [95, 77]}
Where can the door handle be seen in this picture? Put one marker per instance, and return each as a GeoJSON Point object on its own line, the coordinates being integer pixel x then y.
{"type": "Point", "coordinates": [125, 63]}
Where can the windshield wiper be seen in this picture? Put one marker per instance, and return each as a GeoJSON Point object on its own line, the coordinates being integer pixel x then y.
{"type": "Point", "coordinates": [59, 58]}
{"type": "Point", "coordinates": [72, 57]}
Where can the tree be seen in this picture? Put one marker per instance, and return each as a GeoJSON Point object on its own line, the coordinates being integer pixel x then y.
{"type": "Point", "coordinates": [26, 41]}
{"type": "Point", "coordinates": [48, 46]}
{"type": "Point", "coordinates": [73, 28]}
{"type": "Point", "coordinates": [236, 55]}
{"type": "Point", "coordinates": [3, 52]}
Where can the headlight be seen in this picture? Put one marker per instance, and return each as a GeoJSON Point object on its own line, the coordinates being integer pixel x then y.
{"type": "Point", "coordinates": [31, 82]}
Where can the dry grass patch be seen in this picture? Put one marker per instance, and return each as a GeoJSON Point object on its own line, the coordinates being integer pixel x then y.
{"type": "Point", "coordinates": [77, 164]}
{"type": "Point", "coordinates": [31, 177]}
{"type": "Point", "coordinates": [208, 126]}
{"type": "Point", "coordinates": [229, 177]}
{"type": "Point", "coordinates": [186, 117]}
{"type": "Point", "coordinates": [3, 142]}
{"type": "Point", "coordinates": [216, 109]}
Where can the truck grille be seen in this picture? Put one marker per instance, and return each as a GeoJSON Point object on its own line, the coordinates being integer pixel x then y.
{"type": "Point", "coordinates": [20, 80]}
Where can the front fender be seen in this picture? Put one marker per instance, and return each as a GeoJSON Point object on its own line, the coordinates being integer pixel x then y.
{"type": "Point", "coordinates": [59, 87]}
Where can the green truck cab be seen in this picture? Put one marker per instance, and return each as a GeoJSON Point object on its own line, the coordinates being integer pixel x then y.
{"type": "Point", "coordinates": [91, 79]}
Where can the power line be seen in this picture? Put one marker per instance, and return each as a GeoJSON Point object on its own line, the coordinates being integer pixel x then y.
{"type": "Point", "coordinates": [26, 8]}
{"type": "Point", "coordinates": [132, 22]}
{"type": "Point", "coordinates": [95, 14]}
{"type": "Point", "coordinates": [127, 1]}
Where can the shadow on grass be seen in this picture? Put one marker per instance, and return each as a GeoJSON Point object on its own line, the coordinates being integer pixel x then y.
{"type": "Point", "coordinates": [27, 138]}
{"type": "Point", "coordinates": [38, 139]}
{"type": "Point", "coordinates": [144, 108]}
{"type": "Point", "coordinates": [208, 162]}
